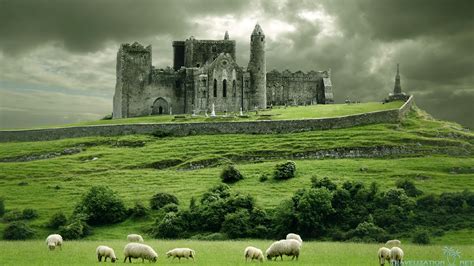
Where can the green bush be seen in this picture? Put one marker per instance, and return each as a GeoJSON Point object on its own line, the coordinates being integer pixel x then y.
{"type": "Point", "coordinates": [171, 226]}
{"type": "Point", "coordinates": [2, 207]}
{"type": "Point", "coordinates": [230, 174]}
{"type": "Point", "coordinates": [161, 199]}
{"type": "Point", "coordinates": [29, 214]}
{"type": "Point", "coordinates": [325, 182]}
{"type": "Point", "coordinates": [236, 224]}
{"type": "Point", "coordinates": [13, 215]}
{"type": "Point", "coordinates": [101, 205]}
{"type": "Point", "coordinates": [409, 187]}
{"type": "Point", "coordinates": [171, 207]}
{"type": "Point", "coordinates": [210, 237]}
{"type": "Point", "coordinates": [284, 170]}
{"type": "Point", "coordinates": [75, 230]}
{"type": "Point", "coordinates": [139, 210]}
{"type": "Point", "coordinates": [18, 231]}
{"type": "Point", "coordinates": [263, 178]}
{"type": "Point", "coordinates": [368, 232]}
{"type": "Point", "coordinates": [58, 219]}
{"type": "Point", "coordinates": [421, 237]}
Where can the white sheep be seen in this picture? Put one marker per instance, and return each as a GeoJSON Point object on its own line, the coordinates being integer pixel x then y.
{"type": "Point", "coordinates": [106, 252]}
{"type": "Point", "coordinates": [137, 250]}
{"type": "Point", "coordinates": [288, 247]}
{"type": "Point", "coordinates": [134, 238]}
{"type": "Point", "coordinates": [295, 237]}
{"type": "Point", "coordinates": [393, 243]}
{"type": "Point", "coordinates": [383, 254]}
{"type": "Point", "coordinates": [253, 253]}
{"type": "Point", "coordinates": [396, 256]}
{"type": "Point", "coordinates": [181, 253]}
{"type": "Point", "coordinates": [54, 241]}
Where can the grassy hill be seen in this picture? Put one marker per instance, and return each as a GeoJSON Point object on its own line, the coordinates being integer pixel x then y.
{"type": "Point", "coordinates": [52, 175]}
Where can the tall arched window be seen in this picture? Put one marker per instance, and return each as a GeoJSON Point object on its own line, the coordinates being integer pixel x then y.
{"type": "Point", "coordinates": [234, 88]}
{"type": "Point", "coordinates": [215, 87]}
{"type": "Point", "coordinates": [224, 88]}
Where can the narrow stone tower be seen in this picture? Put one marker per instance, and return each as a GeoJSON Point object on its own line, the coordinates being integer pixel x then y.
{"type": "Point", "coordinates": [258, 69]}
{"type": "Point", "coordinates": [397, 89]}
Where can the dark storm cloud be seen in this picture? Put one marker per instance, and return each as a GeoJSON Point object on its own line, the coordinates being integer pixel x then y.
{"type": "Point", "coordinates": [85, 25]}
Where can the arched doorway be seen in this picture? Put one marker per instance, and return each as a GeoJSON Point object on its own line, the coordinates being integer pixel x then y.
{"type": "Point", "coordinates": [160, 107]}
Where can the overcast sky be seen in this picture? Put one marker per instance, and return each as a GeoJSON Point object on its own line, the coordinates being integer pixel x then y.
{"type": "Point", "coordinates": [57, 58]}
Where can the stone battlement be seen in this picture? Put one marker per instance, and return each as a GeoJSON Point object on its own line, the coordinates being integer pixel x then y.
{"type": "Point", "coordinates": [135, 47]}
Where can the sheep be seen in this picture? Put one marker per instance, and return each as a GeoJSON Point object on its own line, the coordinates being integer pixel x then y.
{"type": "Point", "coordinates": [383, 254]}
{"type": "Point", "coordinates": [181, 253]}
{"type": "Point", "coordinates": [107, 252]}
{"type": "Point", "coordinates": [289, 247]}
{"type": "Point", "coordinates": [137, 250]}
{"type": "Point", "coordinates": [54, 240]}
{"type": "Point", "coordinates": [295, 237]}
{"type": "Point", "coordinates": [396, 256]}
{"type": "Point", "coordinates": [135, 238]}
{"type": "Point", "coordinates": [393, 243]}
{"type": "Point", "coordinates": [253, 253]}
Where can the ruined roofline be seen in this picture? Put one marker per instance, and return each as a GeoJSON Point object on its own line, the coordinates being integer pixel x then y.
{"type": "Point", "coordinates": [209, 41]}
{"type": "Point", "coordinates": [135, 47]}
{"type": "Point", "coordinates": [287, 72]}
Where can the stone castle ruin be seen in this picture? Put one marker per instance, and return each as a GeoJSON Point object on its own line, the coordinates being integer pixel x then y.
{"type": "Point", "coordinates": [205, 75]}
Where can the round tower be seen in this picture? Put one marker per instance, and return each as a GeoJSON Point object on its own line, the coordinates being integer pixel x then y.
{"type": "Point", "coordinates": [258, 69]}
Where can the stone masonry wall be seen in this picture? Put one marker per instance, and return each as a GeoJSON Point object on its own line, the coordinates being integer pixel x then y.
{"type": "Point", "coordinates": [183, 129]}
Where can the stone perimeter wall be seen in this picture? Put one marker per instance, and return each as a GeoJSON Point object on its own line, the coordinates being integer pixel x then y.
{"type": "Point", "coordinates": [183, 129]}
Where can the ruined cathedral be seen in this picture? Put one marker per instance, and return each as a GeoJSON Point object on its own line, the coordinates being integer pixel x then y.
{"type": "Point", "coordinates": [205, 75]}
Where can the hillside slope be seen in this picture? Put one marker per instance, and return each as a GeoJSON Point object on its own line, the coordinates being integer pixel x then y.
{"type": "Point", "coordinates": [50, 176]}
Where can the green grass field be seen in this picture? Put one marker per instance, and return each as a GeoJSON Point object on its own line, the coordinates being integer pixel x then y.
{"type": "Point", "coordinates": [277, 113]}
{"type": "Point", "coordinates": [217, 253]}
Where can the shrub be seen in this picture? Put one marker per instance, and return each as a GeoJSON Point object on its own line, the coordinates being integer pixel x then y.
{"type": "Point", "coordinates": [58, 219]}
{"type": "Point", "coordinates": [13, 215]}
{"type": "Point", "coordinates": [421, 237]}
{"type": "Point", "coordinates": [263, 178]}
{"type": "Point", "coordinates": [101, 205]}
{"type": "Point", "coordinates": [368, 232]}
{"type": "Point", "coordinates": [2, 207]}
{"type": "Point", "coordinates": [230, 174]}
{"type": "Point", "coordinates": [210, 237]}
{"type": "Point", "coordinates": [139, 210]}
{"type": "Point", "coordinates": [409, 187]}
{"type": "Point", "coordinates": [29, 214]}
{"type": "Point", "coordinates": [18, 231]}
{"type": "Point", "coordinates": [161, 199]}
{"type": "Point", "coordinates": [325, 182]}
{"type": "Point", "coordinates": [236, 224]}
{"type": "Point", "coordinates": [170, 208]}
{"type": "Point", "coordinates": [285, 170]}
{"type": "Point", "coordinates": [171, 226]}
{"type": "Point", "coordinates": [75, 230]}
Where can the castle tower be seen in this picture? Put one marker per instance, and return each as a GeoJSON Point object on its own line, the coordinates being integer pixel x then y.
{"type": "Point", "coordinates": [133, 71]}
{"type": "Point", "coordinates": [397, 89]}
{"type": "Point", "coordinates": [258, 69]}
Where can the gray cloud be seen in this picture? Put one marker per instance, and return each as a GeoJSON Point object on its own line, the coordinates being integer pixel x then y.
{"type": "Point", "coordinates": [72, 44]}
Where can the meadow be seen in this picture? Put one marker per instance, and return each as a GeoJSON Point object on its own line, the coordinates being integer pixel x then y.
{"type": "Point", "coordinates": [217, 253]}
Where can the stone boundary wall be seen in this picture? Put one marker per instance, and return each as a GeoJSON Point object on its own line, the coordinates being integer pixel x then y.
{"type": "Point", "coordinates": [203, 128]}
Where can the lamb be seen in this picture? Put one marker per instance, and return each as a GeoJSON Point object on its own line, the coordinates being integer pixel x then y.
{"type": "Point", "coordinates": [289, 247]}
{"type": "Point", "coordinates": [107, 252]}
{"type": "Point", "coordinates": [383, 254]}
{"type": "Point", "coordinates": [253, 253]}
{"type": "Point", "coordinates": [295, 237]}
{"type": "Point", "coordinates": [134, 238]}
{"type": "Point", "coordinates": [396, 256]}
{"type": "Point", "coordinates": [137, 250]}
{"type": "Point", "coordinates": [181, 253]}
{"type": "Point", "coordinates": [54, 240]}
{"type": "Point", "coordinates": [393, 243]}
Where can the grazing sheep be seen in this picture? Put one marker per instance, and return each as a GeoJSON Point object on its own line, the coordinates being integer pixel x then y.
{"type": "Point", "coordinates": [104, 251]}
{"type": "Point", "coordinates": [396, 256]}
{"type": "Point", "coordinates": [393, 243]}
{"type": "Point", "coordinates": [295, 237]}
{"type": "Point", "coordinates": [137, 250]}
{"type": "Point", "coordinates": [134, 238]}
{"type": "Point", "coordinates": [253, 253]}
{"type": "Point", "coordinates": [383, 254]}
{"type": "Point", "coordinates": [288, 247]}
{"type": "Point", "coordinates": [54, 240]}
{"type": "Point", "coordinates": [181, 253]}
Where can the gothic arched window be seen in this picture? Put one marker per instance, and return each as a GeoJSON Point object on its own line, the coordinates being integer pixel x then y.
{"type": "Point", "coordinates": [224, 88]}
{"type": "Point", "coordinates": [234, 88]}
{"type": "Point", "coordinates": [215, 87]}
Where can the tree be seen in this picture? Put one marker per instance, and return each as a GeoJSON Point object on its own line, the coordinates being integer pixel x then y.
{"type": "Point", "coordinates": [161, 199]}
{"type": "Point", "coordinates": [101, 205]}
{"type": "Point", "coordinates": [285, 170]}
{"type": "Point", "coordinates": [18, 231]}
{"type": "Point", "coordinates": [171, 226]}
{"type": "Point", "coordinates": [230, 174]}
{"type": "Point", "coordinates": [312, 211]}
{"type": "Point", "coordinates": [236, 224]}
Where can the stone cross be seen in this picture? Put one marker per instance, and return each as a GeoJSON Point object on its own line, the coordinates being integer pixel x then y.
{"type": "Point", "coordinates": [241, 113]}
{"type": "Point", "coordinates": [213, 113]}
